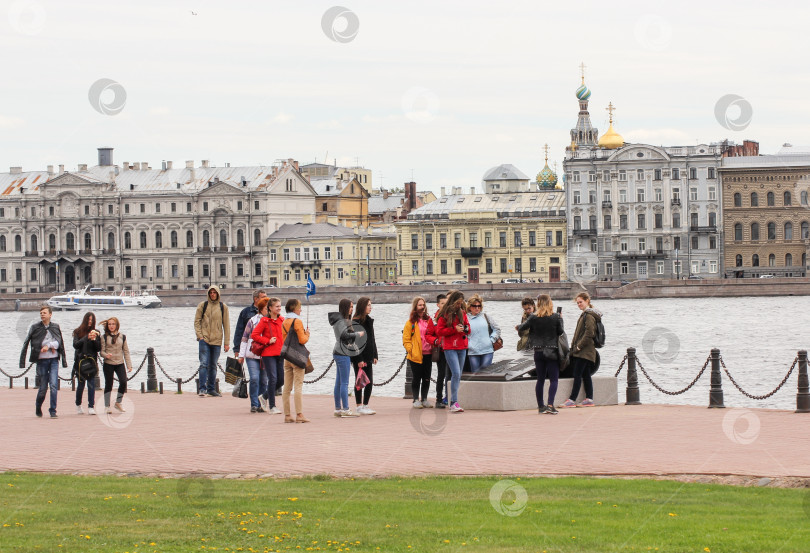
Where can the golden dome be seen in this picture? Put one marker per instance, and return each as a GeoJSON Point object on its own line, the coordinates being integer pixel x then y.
{"type": "Point", "coordinates": [611, 139]}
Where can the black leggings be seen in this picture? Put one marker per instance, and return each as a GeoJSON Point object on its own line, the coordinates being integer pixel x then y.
{"type": "Point", "coordinates": [545, 369]}
{"type": "Point", "coordinates": [441, 371]}
{"type": "Point", "coordinates": [364, 394]}
{"type": "Point", "coordinates": [121, 374]}
{"type": "Point", "coordinates": [420, 380]}
{"type": "Point", "coordinates": [582, 373]}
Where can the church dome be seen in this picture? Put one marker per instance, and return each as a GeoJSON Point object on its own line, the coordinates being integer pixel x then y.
{"type": "Point", "coordinates": [611, 139]}
{"type": "Point", "coordinates": [583, 92]}
{"type": "Point", "coordinates": [546, 178]}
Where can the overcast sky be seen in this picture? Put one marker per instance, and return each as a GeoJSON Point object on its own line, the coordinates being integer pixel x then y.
{"type": "Point", "coordinates": [441, 91]}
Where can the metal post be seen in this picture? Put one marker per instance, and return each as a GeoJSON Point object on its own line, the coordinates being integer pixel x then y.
{"type": "Point", "coordinates": [72, 384]}
{"type": "Point", "coordinates": [26, 382]}
{"type": "Point", "coordinates": [217, 386]}
{"type": "Point", "coordinates": [408, 380]}
{"type": "Point", "coordinates": [143, 389]}
{"type": "Point", "coordinates": [151, 375]}
{"type": "Point", "coordinates": [161, 388]}
{"type": "Point", "coordinates": [197, 382]}
{"type": "Point", "coordinates": [716, 390]}
{"type": "Point", "coordinates": [179, 386]}
{"type": "Point", "coordinates": [10, 383]}
{"type": "Point", "coordinates": [632, 393]}
{"type": "Point", "coordinates": [803, 395]}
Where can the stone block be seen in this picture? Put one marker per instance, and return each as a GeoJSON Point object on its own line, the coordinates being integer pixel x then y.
{"type": "Point", "coordinates": [519, 394]}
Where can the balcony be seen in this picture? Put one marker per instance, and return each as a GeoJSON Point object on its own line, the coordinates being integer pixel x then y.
{"type": "Point", "coordinates": [607, 204]}
{"type": "Point", "coordinates": [109, 251]}
{"type": "Point", "coordinates": [675, 201]}
{"type": "Point", "coordinates": [32, 253]}
{"type": "Point", "coordinates": [472, 252]}
{"type": "Point", "coordinates": [86, 251]}
{"type": "Point", "coordinates": [704, 229]}
{"type": "Point", "coordinates": [221, 248]}
{"type": "Point", "coordinates": [70, 252]}
{"type": "Point", "coordinates": [204, 249]}
{"type": "Point", "coordinates": [239, 248]}
{"type": "Point", "coordinates": [640, 254]}
{"type": "Point", "coordinates": [304, 264]}
{"type": "Point", "coordinates": [584, 232]}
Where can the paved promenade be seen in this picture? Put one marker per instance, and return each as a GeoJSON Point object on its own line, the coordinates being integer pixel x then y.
{"type": "Point", "coordinates": [173, 434]}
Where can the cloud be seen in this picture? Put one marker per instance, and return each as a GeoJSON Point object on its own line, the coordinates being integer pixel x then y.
{"type": "Point", "coordinates": [500, 137]}
{"type": "Point", "coordinates": [162, 110]}
{"type": "Point", "coordinates": [658, 136]}
{"type": "Point", "coordinates": [332, 124]}
{"type": "Point", "coordinates": [282, 118]}
{"type": "Point", "coordinates": [11, 122]}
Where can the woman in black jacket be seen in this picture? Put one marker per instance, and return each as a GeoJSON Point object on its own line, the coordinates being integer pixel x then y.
{"type": "Point", "coordinates": [545, 327]}
{"type": "Point", "coordinates": [367, 356]}
{"type": "Point", "coordinates": [86, 343]}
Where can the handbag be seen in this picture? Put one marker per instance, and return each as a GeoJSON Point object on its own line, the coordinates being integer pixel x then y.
{"type": "Point", "coordinates": [256, 348]}
{"type": "Point", "coordinates": [497, 344]}
{"type": "Point", "coordinates": [233, 370]}
{"type": "Point", "coordinates": [362, 380]}
{"type": "Point", "coordinates": [309, 368]}
{"type": "Point", "coordinates": [563, 351]}
{"type": "Point", "coordinates": [240, 389]}
{"type": "Point", "coordinates": [293, 351]}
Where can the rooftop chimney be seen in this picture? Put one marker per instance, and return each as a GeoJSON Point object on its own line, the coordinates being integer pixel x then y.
{"type": "Point", "coordinates": [144, 165]}
{"type": "Point", "coordinates": [125, 166]}
{"type": "Point", "coordinates": [15, 170]}
{"type": "Point", "coordinates": [205, 163]}
{"type": "Point", "coordinates": [50, 170]}
{"type": "Point", "coordinates": [82, 167]}
{"type": "Point", "coordinates": [169, 165]}
{"type": "Point", "coordinates": [294, 164]}
{"type": "Point", "coordinates": [472, 190]}
{"type": "Point", "coordinates": [410, 196]}
{"type": "Point", "coordinates": [105, 157]}
{"type": "Point", "coordinates": [189, 164]}
{"type": "Point", "coordinates": [442, 191]}
{"type": "Point", "coordinates": [61, 169]}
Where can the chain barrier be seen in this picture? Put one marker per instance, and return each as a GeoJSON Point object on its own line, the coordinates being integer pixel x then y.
{"type": "Point", "coordinates": [621, 365]}
{"type": "Point", "coordinates": [324, 373]}
{"type": "Point", "coordinates": [395, 374]}
{"type": "Point", "coordinates": [19, 375]}
{"type": "Point", "coordinates": [679, 392]}
{"type": "Point", "coordinates": [186, 381]}
{"type": "Point", "coordinates": [752, 396]}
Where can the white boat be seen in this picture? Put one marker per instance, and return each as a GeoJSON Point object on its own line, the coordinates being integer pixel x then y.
{"type": "Point", "coordinates": [82, 299]}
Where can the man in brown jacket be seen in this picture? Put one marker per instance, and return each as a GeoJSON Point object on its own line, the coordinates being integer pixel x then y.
{"type": "Point", "coordinates": [212, 327]}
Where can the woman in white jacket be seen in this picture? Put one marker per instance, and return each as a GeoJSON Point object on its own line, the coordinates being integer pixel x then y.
{"type": "Point", "coordinates": [258, 377]}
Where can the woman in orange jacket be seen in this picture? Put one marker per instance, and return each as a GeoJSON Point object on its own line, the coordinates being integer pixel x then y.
{"type": "Point", "coordinates": [269, 334]}
{"type": "Point", "coordinates": [419, 337]}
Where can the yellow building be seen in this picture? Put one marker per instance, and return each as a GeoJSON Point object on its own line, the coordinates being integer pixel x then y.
{"type": "Point", "coordinates": [342, 198]}
{"type": "Point", "coordinates": [485, 238]}
{"type": "Point", "coordinates": [322, 170]}
{"type": "Point", "coordinates": [333, 255]}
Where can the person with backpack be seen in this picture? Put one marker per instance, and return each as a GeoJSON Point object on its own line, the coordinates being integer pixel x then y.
{"type": "Point", "coordinates": [257, 387]}
{"type": "Point", "coordinates": [523, 345]}
{"type": "Point", "coordinates": [212, 327]}
{"type": "Point", "coordinates": [367, 358]}
{"type": "Point", "coordinates": [419, 337]}
{"type": "Point", "coordinates": [583, 351]}
{"type": "Point", "coordinates": [47, 347]}
{"type": "Point", "coordinates": [87, 346]}
{"type": "Point", "coordinates": [544, 328]}
{"type": "Point", "coordinates": [268, 333]}
{"type": "Point", "coordinates": [115, 352]}
{"type": "Point", "coordinates": [484, 332]}
{"type": "Point", "coordinates": [453, 329]}
{"type": "Point", "coordinates": [438, 355]}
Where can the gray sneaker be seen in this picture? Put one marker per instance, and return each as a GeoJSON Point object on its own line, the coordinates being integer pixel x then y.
{"type": "Point", "coordinates": [426, 404]}
{"type": "Point", "coordinates": [349, 413]}
{"type": "Point", "coordinates": [417, 404]}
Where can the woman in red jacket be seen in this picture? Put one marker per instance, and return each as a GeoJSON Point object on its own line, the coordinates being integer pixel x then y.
{"type": "Point", "coordinates": [453, 329]}
{"type": "Point", "coordinates": [269, 334]}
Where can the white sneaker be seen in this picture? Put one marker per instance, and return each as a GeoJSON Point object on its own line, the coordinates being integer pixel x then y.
{"type": "Point", "coordinates": [338, 412]}
{"type": "Point", "coordinates": [417, 404]}
{"type": "Point", "coordinates": [91, 411]}
{"type": "Point", "coordinates": [368, 410]}
{"type": "Point", "coordinates": [79, 410]}
{"type": "Point", "coordinates": [263, 403]}
{"type": "Point", "coordinates": [360, 410]}
{"type": "Point", "coordinates": [274, 411]}
{"type": "Point", "coordinates": [456, 408]}
{"type": "Point", "coordinates": [426, 404]}
{"type": "Point", "coordinates": [348, 413]}
{"type": "Point", "coordinates": [109, 410]}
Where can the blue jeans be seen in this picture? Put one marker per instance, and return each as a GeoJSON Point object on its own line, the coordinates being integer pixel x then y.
{"type": "Point", "coordinates": [274, 368]}
{"type": "Point", "coordinates": [91, 391]}
{"type": "Point", "coordinates": [258, 380]}
{"type": "Point", "coordinates": [343, 364]}
{"type": "Point", "coordinates": [208, 367]}
{"type": "Point", "coordinates": [478, 362]}
{"type": "Point", "coordinates": [48, 373]}
{"type": "Point", "coordinates": [455, 362]}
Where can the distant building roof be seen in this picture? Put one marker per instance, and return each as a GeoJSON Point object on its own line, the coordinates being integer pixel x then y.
{"type": "Point", "coordinates": [320, 230]}
{"type": "Point", "coordinates": [377, 204]}
{"type": "Point", "coordinates": [544, 203]}
{"type": "Point", "coordinates": [326, 187]}
{"type": "Point", "coordinates": [768, 161]}
{"type": "Point", "coordinates": [507, 171]}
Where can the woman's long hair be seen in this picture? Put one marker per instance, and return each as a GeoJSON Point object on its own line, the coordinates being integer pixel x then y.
{"type": "Point", "coordinates": [585, 296]}
{"type": "Point", "coordinates": [105, 324]}
{"type": "Point", "coordinates": [414, 318]}
{"type": "Point", "coordinates": [360, 309]}
{"type": "Point", "coordinates": [447, 309]}
{"type": "Point", "coordinates": [86, 326]}
{"type": "Point", "coordinates": [544, 305]}
{"type": "Point", "coordinates": [345, 308]}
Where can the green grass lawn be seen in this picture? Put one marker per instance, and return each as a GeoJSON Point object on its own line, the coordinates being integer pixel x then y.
{"type": "Point", "coordinates": [67, 513]}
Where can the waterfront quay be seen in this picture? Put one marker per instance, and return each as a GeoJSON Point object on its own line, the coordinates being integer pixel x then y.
{"type": "Point", "coordinates": [160, 435]}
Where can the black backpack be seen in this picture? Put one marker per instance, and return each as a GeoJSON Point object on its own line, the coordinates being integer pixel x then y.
{"type": "Point", "coordinates": [221, 309]}
{"type": "Point", "coordinates": [599, 337]}
{"type": "Point", "coordinates": [86, 368]}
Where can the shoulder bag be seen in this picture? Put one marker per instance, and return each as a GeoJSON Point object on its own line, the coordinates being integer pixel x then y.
{"type": "Point", "coordinates": [497, 344]}
{"type": "Point", "coordinates": [293, 351]}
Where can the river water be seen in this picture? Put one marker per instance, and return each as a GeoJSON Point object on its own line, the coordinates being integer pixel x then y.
{"type": "Point", "coordinates": [758, 339]}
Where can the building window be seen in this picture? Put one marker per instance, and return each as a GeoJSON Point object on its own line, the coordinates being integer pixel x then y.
{"type": "Point", "coordinates": [414, 241]}
{"type": "Point", "coordinates": [316, 254]}
{"type": "Point", "coordinates": [518, 264]}
{"type": "Point", "coordinates": [606, 195]}
{"type": "Point", "coordinates": [487, 239]}
{"type": "Point", "coordinates": [592, 195]}
{"type": "Point", "coordinates": [157, 208]}
{"type": "Point", "coordinates": [175, 271]}
{"type": "Point", "coordinates": [189, 239]}
{"type": "Point", "coordinates": [142, 239]}
{"type": "Point", "coordinates": [676, 173]}
{"type": "Point", "coordinates": [754, 232]}
{"type": "Point", "coordinates": [659, 195]}
{"type": "Point", "coordinates": [559, 238]}
{"type": "Point", "coordinates": [622, 196]}
{"type": "Point", "coordinates": [415, 268]}
{"type": "Point", "coordinates": [173, 239]}
{"type": "Point", "coordinates": [158, 271]}
{"type": "Point", "coordinates": [428, 242]}
{"type": "Point", "coordinates": [240, 238]}
{"type": "Point", "coordinates": [503, 264]}
{"type": "Point", "coordinates": [676, 242]}
{"type": "Point", "coordinates": [576, 197]}
{"type": "Point", "coordinates": [787, 198]}
{"type": "Point", "coordinates": [608, 268]}
{"type": "Point", "coordinates": [128, 271]}
{"type": "Point", "coordinates": [429, 267]}
{"type": "Point", "coordinates": [624, 244]}
{"type": "Point", "coordinates": [339, 252]}
{"type": "Point", "coordinates": [296, 254]}
{"type": "Point", "coordinates": [327, 252]}
{"type": "Point", "coordinates": [737, 199]}
{"type": "Point", "coordinates": [110, 272]}
{"type": "Point", "coordinates": [738, 232]}
{"type": "Point", "coordinates": [286, 254]}
{"type": "Point", "coordinates": [206, 241]}
{"type": "Point", "coordinates": [327, 273]}
{"type": "Point", "coordinates": [458, 266]}
{"type": "Point", "coordinates": [222, 271]}
{"type": "Point", "coordinates": [205, 206]}
{"type": "Point", "coordinates": [473, 239]}
{"type": "Point", "coordinates": [693, 194]}
{"type": "Point", "coordinates": [532, 238]}
{"type": "Point", "coordinates": [240, 270]}
{"type": "Point", "coordinates": [657, 174]}
{"type": "Point", "coordinates": [577, 225]}
{"type": "Point", "coordinates": [695, 243]}
{"type": "Point", "coordinates": [488, 266]}
{"type": "Point", "coordinates": [642, 244]}
{"type": "Point", "coordinates": [738, 261]}
{"type": "Point", "coordinates": [287, 274]}
{"type": "Point", "coordinates": [127, 241]}
{"type": "Point", "coordinates": [457, 240]}
{"type": "Point", "coordinates": [676, 220]}
{"type": "Point", "coordinates": [788, 231]}
{"type": "Point", "coordinates": [712, 242]}
{"type": "Point", "coordinates": [754, 261]}
{"type": "Point", "coordinates": [642, 221]}
{"type": "Point", "coordinates": [805, 230]}
{"type": "Point", "coordinates": [640, 195]}
{"type": "Point", "coordinates": [771, 199]}
{"type": "Point", "coordinates": [443, 266]}
{"type": "Point", "coordinates": [771, 231]}
{"type": "Point", "coordinates": [712, 193]}
{"type": "Point", "coordinates": [659, 267]}
{"type": "Point", "coordinates": [593, 245]}
{"type": "Point", "coordinates": [712, 173]}
{"type": "Point", "coordinates": [443, 241]}
{"type": "Point", "coordinates": [803, 197]}
{"type": "Point", "coordinates": [158, 239]}
{"type": "Point", "coordinates": [502, 236]}
{"type": "Point", "coordinates": [607, 222]}
{"type": "Point", "coordinates": [111, 241]}
{"type": "Point", "coordinates": [788, 263]}
{"type": "Point", "coordinates": [518, 240]}
{"type": "Point", "coordinates": [532, 264]}
{"type": "Point", "coordinates": [624, 267]}
{"type": "Point", "coordinates": [754, 199]}
{"type": "Point", "coordinates": [143, 271]}
{"type": "Point", "coordinates": [623, 221]}
{"type": "Point", "coordinates": [188, 207]}
{"type": "Point", "coordinates": [658, 220]}
{"type": "Point", "coordinates": [712, 219]}
{"type": "Point", "coordinates": [772, 260]}
{"type": "Point", "coordinates": [142, 208]}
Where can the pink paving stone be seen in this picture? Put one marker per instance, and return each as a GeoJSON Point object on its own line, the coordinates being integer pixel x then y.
{"type": "Point", "coordinates": [180, 434]}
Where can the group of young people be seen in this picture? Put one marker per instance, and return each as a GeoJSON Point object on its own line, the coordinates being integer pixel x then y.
{"type": "Point", "coordinates": [47, 347]}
